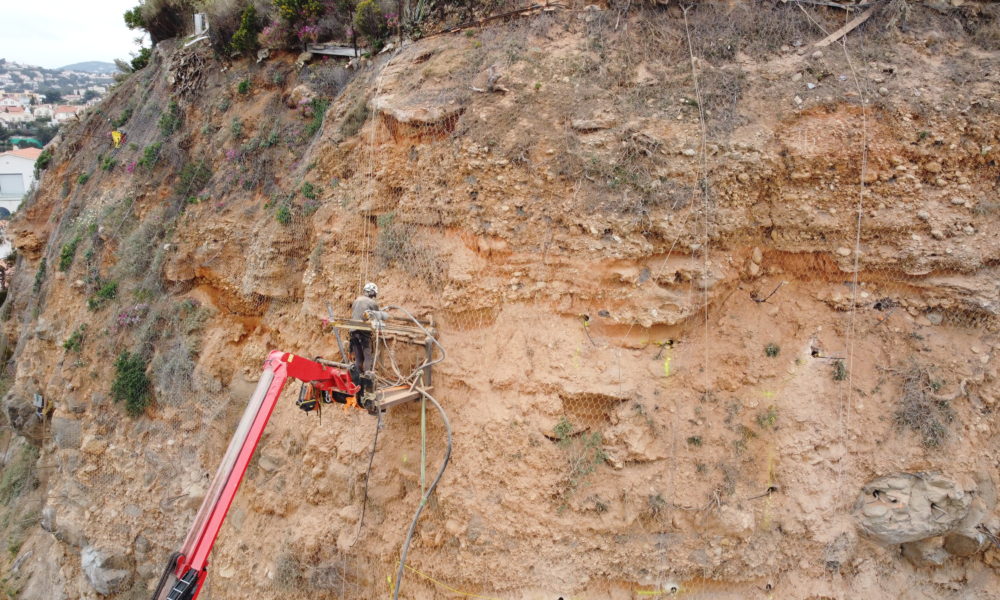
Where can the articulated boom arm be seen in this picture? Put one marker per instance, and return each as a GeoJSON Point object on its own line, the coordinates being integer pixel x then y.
{"type": "Point", "coordinates": [185, 573]}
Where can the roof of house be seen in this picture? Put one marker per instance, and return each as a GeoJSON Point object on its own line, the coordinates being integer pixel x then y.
{"type": "Point", "coordinates": [29, 153]}
{"type": "Point", "coordinates": [67, 109]}
{"type": "Point", "coordinates": [13, 109]}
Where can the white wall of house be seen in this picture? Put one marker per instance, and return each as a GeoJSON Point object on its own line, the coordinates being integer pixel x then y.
{"type": "Point", "coordinates": [15, 117]}
{"type": "Point", "coordinates": [10, 204]}
{"type": "Point", "coordinates": [16, 176]}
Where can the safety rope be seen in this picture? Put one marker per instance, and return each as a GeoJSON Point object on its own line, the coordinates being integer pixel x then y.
{"type": "Point", "coordinates": [846, 418]}
{"type": "Point", "coordinates": [367, 229]}
{"type": "Point", "coordinates": [703, 184]}
{"type": "Point", "coordinates": [857, 250]}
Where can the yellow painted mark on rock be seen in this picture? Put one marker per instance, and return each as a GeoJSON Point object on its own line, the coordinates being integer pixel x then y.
{"type": "Point", "coordinates": [666, 365]}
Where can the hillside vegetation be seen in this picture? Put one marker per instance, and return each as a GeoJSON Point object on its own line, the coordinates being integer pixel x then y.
{"type": "Point", "coordinates": [720, 303]}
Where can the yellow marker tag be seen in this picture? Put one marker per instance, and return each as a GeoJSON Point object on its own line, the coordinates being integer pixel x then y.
{"type": "Point", "coordinates": [666, 366]}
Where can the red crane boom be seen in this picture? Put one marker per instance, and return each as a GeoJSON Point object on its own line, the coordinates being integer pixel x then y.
{"type": "Point", "coordinates": [186, 570]}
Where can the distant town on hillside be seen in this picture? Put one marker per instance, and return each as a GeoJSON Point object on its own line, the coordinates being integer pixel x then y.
{"type": "Point", "coordinates": [34, 100]}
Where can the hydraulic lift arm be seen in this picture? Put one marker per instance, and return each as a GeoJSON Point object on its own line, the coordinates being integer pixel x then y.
{"type": "Point", "coordinates": [185, 572]}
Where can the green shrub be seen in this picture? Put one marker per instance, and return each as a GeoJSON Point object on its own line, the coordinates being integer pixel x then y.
{"type": "Point", "coordinates": [236, 126]}
{"type": "Point", "coordinates": [192, 178]}
{"type": "Point", "coordinates": [584, 452]}
{"type": "Point", "coordinates": [82, 178]}
{"type": "Point", "coordinates": [245, 38]}
{"type": "Point", "coordinates": [42, 162]}
{"type": "Point", "coordinates": [150, 155]}
{"type": "Point", "coordinates": [370, 23]}
{"type": "Point", "coordinates": [122, 118]}
{"type": "Point", "coordinates": [170, 119]}
{"type": "Point", "coordinates": [284, 214]}
{"type": "Point", "coordinates": [319, 107]}
{"type": "Point", "coordinates": [311, 191]}
{"type": "Point", "coordinates": [67, 254]}
{"type": "Point", "coordinates": [769, 418]}
{"type": "Point", "coordinates": [162, 19]}
{"type": "Point", "coordinates": [244, 87]}
{"type": "Point", "coordinates": [271, 140]}
{"type": "Point", "coordinates": [131, 385]}
{"type": "Point", "coordinates": [299, 11]}
{"type": "Point", "coordinates": [133, 18]}
{"type": "Point", "coordinates": [141, 59]}
{"type": "Point", "coordinates": [39, 276]}
{"type": "Point", "coordinates": [74, 343]}
{"type": "Point", "coordinates": [108, 163]}
{"type": "Point", "coordinates": [106, 292]}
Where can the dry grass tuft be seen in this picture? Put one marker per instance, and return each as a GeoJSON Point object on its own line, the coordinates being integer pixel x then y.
{"type": "Point", "coordinates": [921, 410]}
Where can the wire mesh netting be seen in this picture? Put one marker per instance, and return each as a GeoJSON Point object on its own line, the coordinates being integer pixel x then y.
{"type": "Point", "coordinates": [675, 350]}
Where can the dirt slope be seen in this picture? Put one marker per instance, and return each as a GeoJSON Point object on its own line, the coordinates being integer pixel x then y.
{"type": "Point", "coordinates": [692, 306]}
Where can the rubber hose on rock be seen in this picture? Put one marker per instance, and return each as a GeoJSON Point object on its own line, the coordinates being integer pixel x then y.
{"type": "Point", "coordinates": [423, 500]}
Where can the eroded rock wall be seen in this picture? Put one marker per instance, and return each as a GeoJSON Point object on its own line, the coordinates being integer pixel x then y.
{"type": "Point", "coordinates": [685, 324]}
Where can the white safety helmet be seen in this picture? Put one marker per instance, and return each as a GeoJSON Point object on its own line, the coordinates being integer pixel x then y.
{"type": "Point", "coordinates": [371, 290]}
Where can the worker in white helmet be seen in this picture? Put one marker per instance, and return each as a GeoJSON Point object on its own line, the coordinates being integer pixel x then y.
{"type": "Point", "coordinates": [361, 341]}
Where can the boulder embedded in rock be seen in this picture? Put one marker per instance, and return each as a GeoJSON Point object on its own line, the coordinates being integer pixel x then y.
{"type": "Point", "coordinates": [925, 553]}
{"type": "Point", "coordinates": [103, 571]}
{"type": "Point", "coordinates": [965, 542]}
{"type": "Point", "coordinates": [908, 507]}
{"type": "Point", "coordinates": [22, 417]}
{"type": "Point", "coordinates": [300, 95]}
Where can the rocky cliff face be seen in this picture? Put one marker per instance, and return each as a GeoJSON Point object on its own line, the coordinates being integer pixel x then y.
{"type": "Point", "coordinates": [721, 316]}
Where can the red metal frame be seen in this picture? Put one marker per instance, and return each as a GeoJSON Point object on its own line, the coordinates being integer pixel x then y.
{"type": "Point", "coordinates": [278, 367]}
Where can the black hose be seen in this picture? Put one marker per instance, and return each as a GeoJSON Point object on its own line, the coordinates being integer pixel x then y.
{"type": "Point", "coordinates": [423, 500]}
{"type": "Point", "coordinates": [371, 459]}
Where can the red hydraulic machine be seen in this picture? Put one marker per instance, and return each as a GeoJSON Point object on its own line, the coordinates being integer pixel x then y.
{"type": "Point", "coordinates": [324, 380]}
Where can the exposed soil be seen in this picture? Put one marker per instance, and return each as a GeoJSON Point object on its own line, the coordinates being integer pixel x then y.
{"type": "Point", "coordinates": [674, 360]}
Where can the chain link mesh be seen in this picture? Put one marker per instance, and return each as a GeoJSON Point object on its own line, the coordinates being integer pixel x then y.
{"type": "Point", "coordinates": [645, 355]}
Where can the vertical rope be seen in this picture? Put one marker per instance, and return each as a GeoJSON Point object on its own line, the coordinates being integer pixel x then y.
{"type": "Point", "coordinates": [703, 184]}
{"type": "Point", "coordinates": [857, 250]}
{"type": "Point", "coordinates": [368, 230]}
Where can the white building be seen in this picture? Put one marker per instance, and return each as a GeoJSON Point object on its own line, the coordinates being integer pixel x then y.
{"type": "Point", "coordinates": [64, 113]}
{"type": "Point", "coordinates": [42, 111]}
{"type": "Point", "coordinates": [14, 114]}
{"type": "Point", "coordinates": [17, 173]}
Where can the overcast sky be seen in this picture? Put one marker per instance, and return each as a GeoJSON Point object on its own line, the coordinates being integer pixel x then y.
{"type": "Point", "coordinates": [55, 33]}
